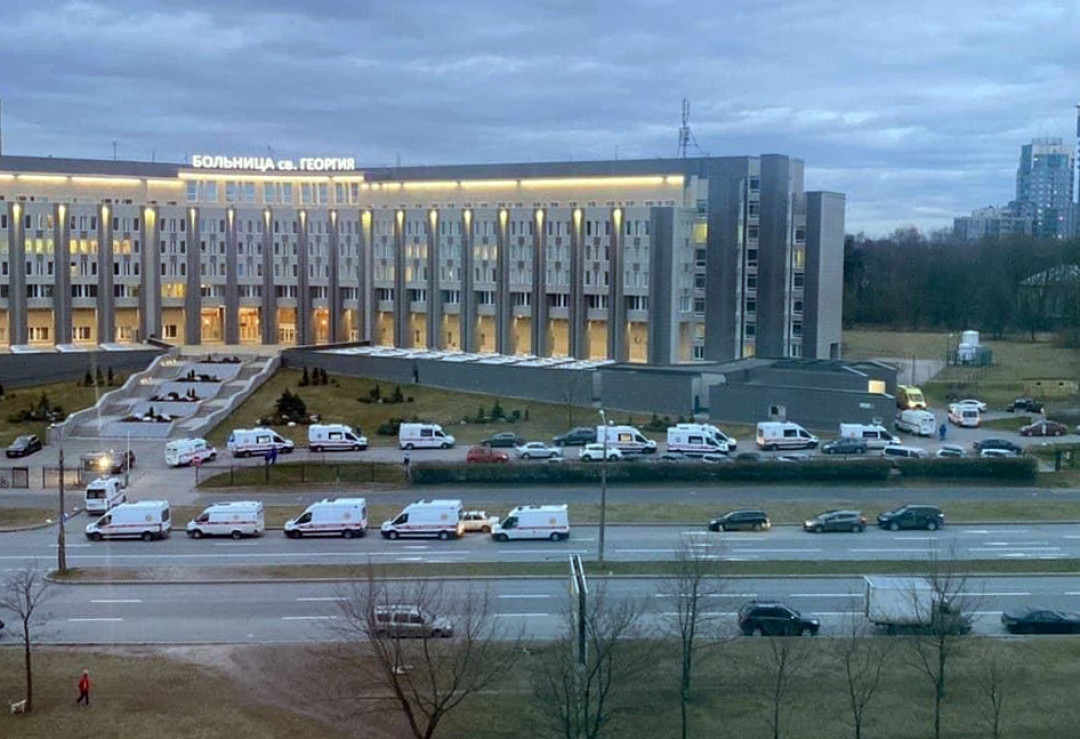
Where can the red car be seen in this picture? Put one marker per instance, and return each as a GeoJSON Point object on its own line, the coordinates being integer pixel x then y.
{"type": "Point", "coordinates": [1044, 428]}
{"type": "Point", "coordinates": [486, 455]}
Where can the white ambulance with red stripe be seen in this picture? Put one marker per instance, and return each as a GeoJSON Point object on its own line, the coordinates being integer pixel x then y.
{"type": "Point", "coordinates": [237, 519]}
{"type": "Point", "coordinates": [534, 522]}
{"type": "Point", "coordinates": [346, 517]}
{"type": "Point", "coordinates": [146, 520]}
{"type": "Point", "coordinates": [427, 518]}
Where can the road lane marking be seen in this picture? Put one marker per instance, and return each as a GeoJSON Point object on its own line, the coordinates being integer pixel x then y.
{"type": "Point", "coordinates": [71, 546]}
{"type": "Point", "coordinates": [826, 595]}
{"type": "Point", "coordinates": [94, 619]}
{"type": "Point", "coordinates": [645, 551]}
{"type": "Point", "coordinates": [996, 531]}
{"type": "Point", "coordinates": [118, 600]}
{"type": "Point", "coordinates": [523, 596]}
{"type": "Point", "coordinates": [770, 551]}
{"type": "Point", "coordinates": [1031, 549]}
{"type": "Point", "coordinates": [521, 615]}
{"type": "Point", "coordinates": [709, 595]}
{"type": "Point", "coordinates": [1001, 595]}
{"type": "Point", "coordinates": [321, 599]}
{"type": "Point", "coordinates": [1073, 592]}
{"type": "Point", "coordinates": [882, 549]}
{"type": "Point", "coordinates": [308, 618]}
{"type": "Point", "coordinates": [236, 544]}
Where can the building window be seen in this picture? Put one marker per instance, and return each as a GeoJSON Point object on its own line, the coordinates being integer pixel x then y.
{"type": "Point", "coordinates": [751, 282]}
{"type": "Point", "coordinates": [755, 184]}
{"type": "Point", "coordinates": [171, 331]}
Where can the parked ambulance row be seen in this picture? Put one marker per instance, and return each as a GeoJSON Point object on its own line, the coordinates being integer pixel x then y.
{"type": "Point", "coordinates": [345, 517]}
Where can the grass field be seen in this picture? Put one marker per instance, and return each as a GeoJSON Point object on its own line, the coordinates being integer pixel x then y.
{"type": "Point", "coordinates": [338, 403]}
{"type": "Point", "coordinates": [69, 395]}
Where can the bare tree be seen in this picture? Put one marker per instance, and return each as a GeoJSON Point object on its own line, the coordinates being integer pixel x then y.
{"type": "Point", "coordinates": [863, 658]}
{"type": "Point", "coordinates": [579, 698]}
{"type": "Point", "coordinates": [784, 658]}
{"type": "Point", "coordinates": [691, 587]}
{"type": "Point", "coordinates": [428, 648]}
{"type": "Point", "coordinates": [574, 394]}
{"type": "Point", "coordinates": [23, 595]}
{"type": "Point", "coordinates": [995, 675]}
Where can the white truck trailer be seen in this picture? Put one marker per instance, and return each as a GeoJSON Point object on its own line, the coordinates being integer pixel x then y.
{"type": "Point", "coordinates": [912, 605]}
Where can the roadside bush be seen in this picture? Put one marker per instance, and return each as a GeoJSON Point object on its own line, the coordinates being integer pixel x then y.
{"type": "Point", "coordinates": [390, 428]}
{"type": "Point", "coordinates": [41, 410]}
{"type": "Point", "coordinates": [1018, 469]}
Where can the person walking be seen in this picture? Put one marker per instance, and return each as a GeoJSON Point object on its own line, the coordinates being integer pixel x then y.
{"type": "Point", "coordinates": [84, 688]}
{"type": "Point", "coordinates": [405, 463]}
{"type": "Point", "coordinates": [942, 431]}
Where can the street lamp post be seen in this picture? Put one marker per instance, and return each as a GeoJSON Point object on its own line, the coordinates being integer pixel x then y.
{"type": "Point", "coordinates": [61, 548]}
{"type": "Point", "coordinates": [603, 486]}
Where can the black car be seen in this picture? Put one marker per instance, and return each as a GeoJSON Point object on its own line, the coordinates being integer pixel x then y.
{"type": "Point", "coordinates": [1025, 404]}
{"type": "Point", "coordinates": [844, 445]}
{"type": "Point", "coordinates": [749, 457]}
{"type": "Point", "coordinates": [579, 436]}
{"type": "Point", "coordinates": [853, 521]}
{"type": "Point", "coordinates": [997, 444]}
{"type": "Point", "coordinates": [742, 520]}
{"type": "Point", "coordinates": [912, 517]}
{"type": "Point", "coordinates": [23, 445]}
{"type": "Point", "coordinates": [505, 439]}
{"type": "Point", "coordinates": [1041, 621]}
{"type": "Point", "coordinates": [769, 618]}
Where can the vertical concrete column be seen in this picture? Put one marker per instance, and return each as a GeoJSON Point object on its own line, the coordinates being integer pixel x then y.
{"type": "Point", "coordinates": [663, 326]}
{"type": "Point", "coordinates": [401, 303]}
{"type": "Point", "coordinates": [17, 328]}
{"type": "Point", "coordinates": [61, 274]}
{"type": "Point", "coordinates": [268, 320]}
{"type": "Point", "coordinates": [304, 335]}
{"type": "Point", "coordinates": [435, 336]}
{"type": "Point", "coordinates": [106, 310]}
{"type": "Point", "coordinates": [232, 290]}
{"type": "Point", "coordinates": [540, 344]}
{"type": "Point", "coordinates": [337, 325]}
{"type": "Point", "coordinates": [579, 339]}
{"type": "Point", "coordinates": [504, 311]}
{"type": "Point", "coordinates": [468, 297]}
{"type": "Point", "coordinates": [366, 265]}
{"type": "Point", "coordinates": [192, 283]}
{"type": "Point", "coordinates": [150, 294]}
{"type": "Point", "coordinates": [616, 332]}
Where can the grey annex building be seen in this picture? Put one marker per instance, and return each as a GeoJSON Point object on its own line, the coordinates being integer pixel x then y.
{"type": "Point", "coordinates": [649, 261]}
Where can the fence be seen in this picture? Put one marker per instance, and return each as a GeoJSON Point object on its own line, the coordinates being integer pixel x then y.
{"type": "Point", "coordinates": [17, 478]}
{"type": "Point", "coordinates": [73, 477]}
{"type": "Point", "coordinates": [231, 475]}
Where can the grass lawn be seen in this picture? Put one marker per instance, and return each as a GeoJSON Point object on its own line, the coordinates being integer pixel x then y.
{"type": "Point", "coordinates": [69, 395]}
{"type": "Point", "coordinates": [18, 517]}
{"type": "Point", "coordinates": [1013, 423]}
{"type": "Point", "coordinates": [338, 403]}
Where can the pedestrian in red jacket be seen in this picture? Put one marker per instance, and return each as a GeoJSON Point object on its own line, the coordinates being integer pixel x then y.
{"type": "Point", "coordinates": [84, 688]}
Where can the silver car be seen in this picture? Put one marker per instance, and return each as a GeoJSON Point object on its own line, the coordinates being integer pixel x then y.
{"type": "Point", "coordinates": [538, 450]}
{"type": "Point", "coordinates": [408, 622]}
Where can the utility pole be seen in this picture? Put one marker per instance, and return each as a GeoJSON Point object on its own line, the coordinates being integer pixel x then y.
{"type": "Point", "coordinates": [603, 486]}
{"type": "Point", "coordinates": [61, 547]}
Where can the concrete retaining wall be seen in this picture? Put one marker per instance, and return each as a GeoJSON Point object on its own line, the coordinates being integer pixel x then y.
{"type": "Point", "coordinates": [816, 408]}
{"type": "Point", "coordinates": [17, 370]}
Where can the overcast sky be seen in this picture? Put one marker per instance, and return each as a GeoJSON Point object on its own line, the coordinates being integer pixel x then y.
{"type": "Point", "coordinates": [916, 110]}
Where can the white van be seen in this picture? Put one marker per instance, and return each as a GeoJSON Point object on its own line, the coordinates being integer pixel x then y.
{"type": "Point", "coordinates": [441, 518]}
{"type": "Point", "coordinates": [534, 522]}
{"type": "Point", "coordinates": [189, 451]}
{"type": "Point", "coordinates": [236, 519]}
{"type": "Point", "coordinates": [103, 494]}
{"type": "Point", "coordinates": [345, 517]}
{"type": "Point", "coordinates": [626, 439]}
{"type": "Point", "coordinates": [423, 436]}
{"type": "Point", "coordinates": [964, 415]}
{"type": "Point", "coordinates": [784, 435]}
{"type": "Point", "coordinates": [693, 442]}
{"type": "Point", "coordinates": [708, 428]}
{"type": "Point", "coordinates": [335, 437]}
{"type": "Point", "coordinates": [245, 442]}
{"type": "Point", "coordinates": [909, 452]}
{"type": "Point", "coordinates": [146, 520]}
{"type": "Point", "coordinates": [875, 436]}
{"type": "Point", "coordinates": [919, 422]}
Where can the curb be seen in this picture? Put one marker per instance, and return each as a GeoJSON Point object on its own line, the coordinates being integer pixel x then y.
{"type": "Point", "coordinates": [38, 526]}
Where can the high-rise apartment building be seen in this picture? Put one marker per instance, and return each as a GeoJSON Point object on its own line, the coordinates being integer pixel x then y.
{"type": "Point", "coordinates": [655, 261]}
{"type": "Point", "coordinates": [1044, 187]}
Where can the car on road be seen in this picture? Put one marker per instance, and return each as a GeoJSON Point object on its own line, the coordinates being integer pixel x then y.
{"type": "Point", "coordinates": [772, 618]}
{"type": "Point", "coordinates": [405, 621]}
{"type": "Point", "coordinates": [478, 521]}
{"type": "Point", "coordinates": [844, 445]}
{"type": "Point", "coordinates": [853, 521]}
{"type": "Point", "coordinates": [595, 453]}
{"type": "Point", "coordinates": [978, 405]}
{"type": "Point", "coordinates": [579, 436]}
{"type": "Point", "coordinates": [1040, 621]}
{"type": "Point", "coordinates": [485, 455]}
{"type": "Point", "coordinates": [997, 454]}
{"type": "Point", "coordinates": [107, 463]}
{"type": "Point", "coordinates": [23, 445]}
{"type": "Point", "coordinates": [1044, 427]}
{"type": "Point", "coordinates": [912, 517]}
{"type": "Point", "coordinates": [954, 451]}
{"type": "Point", "coordinates": [741, 520]}
{"type": "Point", "coordinates": [504, 439]}
{"type": "Point", "coordinates": [793, 457]}
{"type": "Point", "coordinates": [538, 450]}
{"type": "Point", "coordinates": [749, 457]}
{"type": "Point", "coordinates": [1029, 405]}
{"type": "Point", "coordinates": [1005, 444]}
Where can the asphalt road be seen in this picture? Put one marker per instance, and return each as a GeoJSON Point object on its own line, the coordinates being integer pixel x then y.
{"type": "Point", "coordinates": [304, 612]}
{"type": "Point", "coordinates": [623, 543]}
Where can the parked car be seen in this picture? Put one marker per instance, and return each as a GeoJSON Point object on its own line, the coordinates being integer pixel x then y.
{"type": "Point", "coordinates": [844, 445]}
{"type": "Point", "coordinates": [998, 453]}
{"type": "Point", "coordinates": [951, 450]}
{"type": "Point", "coordinates": [1029, 405]}
{"type": "Point", "coordinates": [595, 453]}
{"type": "Point", "coordinates": [579, 436]}
{"type": "Point", "coordinates": [912, 517]}
{"type": "Point", "coordinates": [741, 520]}
{"type": "Point", "coordinates": [23, 445]}
{"type": "Point", "coordinates": [485, 455]}
{"type": "Point", "coordinates": [770, 618]}
{"type": "Point", "coordinates": [403, 621]}
{"type": "Point", "coordinates": [473, 521]}
{"type": "Point", "coordinates": [978, 405]}
{"type": "Point", "coordinates": [1040, 621]}
{"type": "Point", "coordinates": [504, 439]}
{"type": "Point", "coordinates": [1044, 428]}
{"type": "Point", "coordinates": [1005, 444]}
{"type": "Point", "coordinates": [853, 521]}
{"type": "Point", "coordinates": [793, 457]}
{"type": "Point", "coordinates": [538, 450]}
{"type": "Point", "coordinates": [749, 457]}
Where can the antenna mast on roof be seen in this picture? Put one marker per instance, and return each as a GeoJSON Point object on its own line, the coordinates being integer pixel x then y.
{"type": "Point", "coordinates": [686, 136]}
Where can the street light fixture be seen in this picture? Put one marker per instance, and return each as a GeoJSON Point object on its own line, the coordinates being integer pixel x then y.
{"type": "Point", "coordinates": [61, 548]}
{"type": "Point", "coordinates": [603, 485]}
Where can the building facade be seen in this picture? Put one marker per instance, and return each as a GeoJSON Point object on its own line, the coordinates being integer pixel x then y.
{"type": "Point", "coordinates": [991, 222]}
{"type": "Point", "coordinates": [656, 261]}
{"type": "Point", "coordinates": [1044, 187]}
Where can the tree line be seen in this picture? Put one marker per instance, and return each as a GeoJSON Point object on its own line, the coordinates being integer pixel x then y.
{"type": "Point", "coordinates": [911, 282]}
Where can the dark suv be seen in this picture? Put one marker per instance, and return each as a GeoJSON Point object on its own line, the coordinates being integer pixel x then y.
{"type": "Point", "coordinates": [998, 444]}
{"type": "Point", "coordinates": [744, 520]}
{"type": "Point", "coordinates": [912, 517]}
{"type": "Point", "coordinates": [579, 436]}
{"type": "Point", "coordinates": [1025, 404]}
{"type": "Point", "coordinates": [766, 618]}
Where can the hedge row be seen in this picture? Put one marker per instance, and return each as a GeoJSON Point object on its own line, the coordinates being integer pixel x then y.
{"type": "Point", "coordinates": [1016, 469]}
